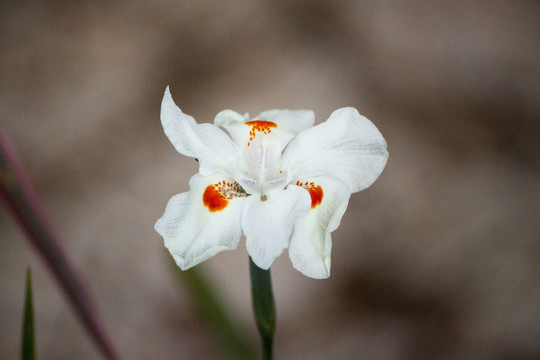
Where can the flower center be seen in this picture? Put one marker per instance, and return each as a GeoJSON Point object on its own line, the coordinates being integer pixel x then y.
{"type": "Point", "coordinates": [263, 158]}
{"type": "Point", "coordinates": [260, 169]}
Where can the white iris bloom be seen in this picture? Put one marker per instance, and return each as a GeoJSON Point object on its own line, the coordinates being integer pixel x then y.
{"type": "Point", "coordinates": [277, 179]}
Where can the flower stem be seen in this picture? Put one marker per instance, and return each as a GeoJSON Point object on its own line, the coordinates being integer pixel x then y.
{"type": "Point", "coordinates": [263, 306]}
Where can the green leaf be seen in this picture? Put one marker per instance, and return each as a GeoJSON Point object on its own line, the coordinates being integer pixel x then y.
{"type": "Point", "coordinates": [209, 305]}
{"type": "Point", "coordinates": [28, 338]}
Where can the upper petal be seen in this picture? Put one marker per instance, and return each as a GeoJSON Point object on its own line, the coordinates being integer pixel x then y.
{"type": "Point", "coordinates": [268, 224]}
{"type": "Point", "coordinates": [206, 142]}
{"type": "Point", "coordinates": [284, 123]}
{"type": "Point", "coordinates": [347, 146]}
{"type": "Point", "coordinates": [311, 242]}
{"type": "Point", "coordinates": [290, 121]}
{"type": "Point", "coordinates": [204, 221]}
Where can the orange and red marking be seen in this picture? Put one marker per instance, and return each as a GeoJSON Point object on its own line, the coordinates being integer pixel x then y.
{"type": "Point", "coordinates": [315, 191]}
{"type": "Point", "coordinates": [216, 197]}
{"type": "Point", "coordinates": [259, 126]}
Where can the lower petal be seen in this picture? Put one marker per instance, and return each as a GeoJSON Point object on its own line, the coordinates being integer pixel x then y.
{"type": "Point", "coordinates": [311, 242]}
{"type": "Point", "coordinates": [268, 222]}
{"type": "Point", "coordinates": [204, 221]}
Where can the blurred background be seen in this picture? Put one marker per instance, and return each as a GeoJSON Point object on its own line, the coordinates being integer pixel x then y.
{"type": "Point", "coordinates": [439, 259]}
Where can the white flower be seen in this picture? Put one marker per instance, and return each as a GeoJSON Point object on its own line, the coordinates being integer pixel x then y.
{"type": "Point", "coordinates": [277, 179]}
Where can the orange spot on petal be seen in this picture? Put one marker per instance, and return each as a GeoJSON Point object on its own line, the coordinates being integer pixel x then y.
{"type": "Point", "coordinates": [213, 199]}
{"type": "Point", "coordinates": [316, 194]}
{"type": "Point", "coordinates": [260, 126]}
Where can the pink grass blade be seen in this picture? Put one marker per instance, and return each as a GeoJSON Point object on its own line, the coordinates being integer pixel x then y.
{"type": "Point", "coordinates": [26, 206]}
{"type": "Point", "coordinates": [28, 346]}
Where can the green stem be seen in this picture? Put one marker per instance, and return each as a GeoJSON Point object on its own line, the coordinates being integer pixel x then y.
{"type": "Point", "coordinates": [263, 306]}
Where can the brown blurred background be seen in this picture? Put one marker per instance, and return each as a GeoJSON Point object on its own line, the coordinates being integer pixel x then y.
{"type": "Point", "coordinates": [439, 259]}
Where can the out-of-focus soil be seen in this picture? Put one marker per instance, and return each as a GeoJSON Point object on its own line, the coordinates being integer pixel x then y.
{"type": "Point", "coordinates": [439, 259]}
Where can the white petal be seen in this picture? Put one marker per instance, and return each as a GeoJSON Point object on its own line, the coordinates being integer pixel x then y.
{"type": "Point", "coordinates": [229, 117]}
{"type": "Point", "coordinates": [311, 242]}
{"type": "Point", "coordinates": [254, 187]}
{"type": "Point", "coordinates": [250, 186]}
{"type": "Point", "coordinates": [193, 233]}
{"type": "Point", "coordinates": [268, 224]}
{"type": "Point", "coordinates": [288, 123]}
{"type": "Point", "coordinates": [347, 146]}
{"type": "Point", "coordinates": [235, 125]}
{"type": "Point", "coordinates": [206, 142]}
{"type": "Point", "coordinates": [263, 158]}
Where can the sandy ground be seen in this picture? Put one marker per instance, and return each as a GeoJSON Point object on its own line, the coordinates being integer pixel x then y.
{"type": "Point", "coordinates": [438, 260]}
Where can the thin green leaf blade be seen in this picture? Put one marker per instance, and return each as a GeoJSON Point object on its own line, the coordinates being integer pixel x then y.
{"type": "Point", "coordinates": [229, 333]}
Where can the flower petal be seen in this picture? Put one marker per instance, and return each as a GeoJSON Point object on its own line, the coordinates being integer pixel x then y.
{"type": "Point", "coordinates": [268, 224]}
{"type": "Point", "coordinates": [284, 123]}
{"type": "Point", "coordinates": [204, 221]}
{"type": "Point", "coordinates": [263, 158]}
{"type": "Point", "coordinates": [291, 121]}
{"type": "Point", "coordinates": [311, 242]}
{"type": "Point", "coordinates": [347, 146]}
{"type": "Point", "coordinates": [214, 150]}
